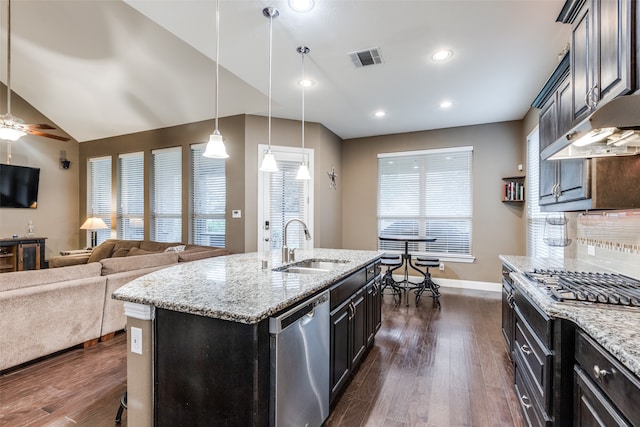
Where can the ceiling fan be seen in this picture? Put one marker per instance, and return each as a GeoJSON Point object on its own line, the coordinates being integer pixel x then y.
{"type": "Point", "coordinates": [11, 127]}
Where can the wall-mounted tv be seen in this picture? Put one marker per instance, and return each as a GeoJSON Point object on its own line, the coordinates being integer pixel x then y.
{"type": "Point", "coordinates": [19, 186]}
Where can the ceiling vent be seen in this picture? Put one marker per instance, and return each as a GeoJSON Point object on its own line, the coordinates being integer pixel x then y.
{"type": "Point", "coordinates": [366, 57]}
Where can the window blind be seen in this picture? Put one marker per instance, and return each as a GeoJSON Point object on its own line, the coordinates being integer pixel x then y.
{"type": "Point", "coordinates": [130, 213]}
{"type": "Point", "coordinates": [287, 200]}
{"type": "Point", "coordinates": [535, 218]}
{"type": "Point", "coordinates": [208, 188]}
{"type": "Point", "coordinates": [166, 195]}
{"type": "Point", "coordinates": [99, 194]}
{"type": "Point", "coordinates": [426, 192]}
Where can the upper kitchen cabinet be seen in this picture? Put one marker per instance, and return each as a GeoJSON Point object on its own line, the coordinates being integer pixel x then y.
{"type": "Point", "coordinates": [601, 52]}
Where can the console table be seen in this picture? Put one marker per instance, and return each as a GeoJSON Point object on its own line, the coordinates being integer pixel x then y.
{"type": "Point", "coordinates": [22, 253]}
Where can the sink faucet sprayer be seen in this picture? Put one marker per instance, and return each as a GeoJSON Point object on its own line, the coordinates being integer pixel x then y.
{"type": "Point", "coordinates": [289, 254]}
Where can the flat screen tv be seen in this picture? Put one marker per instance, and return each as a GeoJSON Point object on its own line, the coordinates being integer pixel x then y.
{"type": "Point", "coordinates": [19, 186]}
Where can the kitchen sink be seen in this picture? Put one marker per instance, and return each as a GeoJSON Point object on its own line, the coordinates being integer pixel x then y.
{"type": "Point", "coordinates": [311, 266]}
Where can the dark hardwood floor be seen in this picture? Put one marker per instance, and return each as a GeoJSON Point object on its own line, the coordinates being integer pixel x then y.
{"type": "Point", "coordinates": [429, 367]}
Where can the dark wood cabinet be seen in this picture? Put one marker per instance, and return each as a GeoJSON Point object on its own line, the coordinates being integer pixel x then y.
{"type": "Point", "coordinates": [606, 391]}
{"type": "Point", "coordinates": [22, 254]}
{"type": "Point", "coordinates": [354, 320]}
{"type": "Point", "coordinates": [508, 314]}
{"type": "Point", "coordinates": [601, 54]}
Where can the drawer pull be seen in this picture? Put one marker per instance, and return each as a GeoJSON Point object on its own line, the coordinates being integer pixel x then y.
{"type": "Point", "coordinates": [526, 402]}
{"type": "Point", "coordinates": [525, 349]}
{"type": "Point", "coordinates": [599, 373]}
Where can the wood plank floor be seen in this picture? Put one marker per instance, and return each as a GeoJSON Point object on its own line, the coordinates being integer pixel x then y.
{"type": "Point", "coordinates": [429, 367]}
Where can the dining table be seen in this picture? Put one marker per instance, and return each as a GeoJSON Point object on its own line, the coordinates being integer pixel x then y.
{"type": "Point", "coordinates": [406, 257]}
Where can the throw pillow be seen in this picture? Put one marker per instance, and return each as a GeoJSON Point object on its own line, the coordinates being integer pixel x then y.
{"type": "Point", "coordinates": [120, 252]}
{"type": "Point", "coordinates": [101, 252]}
{"type": "Point", "coordinates": [179, 248]}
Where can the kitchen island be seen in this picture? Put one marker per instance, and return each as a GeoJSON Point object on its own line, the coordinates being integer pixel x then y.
{"type": "Point", "coordinates": [575, 362]}
{"type": "Point", "coordinates": [198, 334]}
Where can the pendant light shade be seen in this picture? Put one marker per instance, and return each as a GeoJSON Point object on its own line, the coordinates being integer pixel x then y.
{"type": "Point", "coordinates": [268, 161]}
{"type": "Point", "coordinates": [215, 147]}
{"type": "Point", "coordinates": [303, 171]}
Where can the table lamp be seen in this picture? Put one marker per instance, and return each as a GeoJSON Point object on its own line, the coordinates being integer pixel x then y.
{"type": "Point", "coordinates": [92, 223]}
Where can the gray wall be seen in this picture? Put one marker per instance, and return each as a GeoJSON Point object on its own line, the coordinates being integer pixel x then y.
{"type": "Point", "coordinates": [497, 227]}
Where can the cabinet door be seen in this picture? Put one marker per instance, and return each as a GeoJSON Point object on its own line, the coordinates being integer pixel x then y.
{"type": "Point", "coordinates": [340, 347]}
{"type": "Point", "coordinates": [612, 47]}
{"type": "Point", "coordinates": [573, 180]}
{"type": "Point", "coordinates": [581, 77]}
{"type": "Point", "coordinates": [591, 407]}
{"type": "Point", "coordinates": [548, 124]}
{"type": "Point", "coordinates": [29, 256]}
{"type": "Point", "coordinates": [370, 301]}
{"type": "Point", "coordinates": [359, 320]}
{"type": "Point", "coordinates": [564, 107]}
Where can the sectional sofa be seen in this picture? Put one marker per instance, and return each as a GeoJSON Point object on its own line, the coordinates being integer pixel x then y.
{"type": "Point", "coordinates": [45, 311]}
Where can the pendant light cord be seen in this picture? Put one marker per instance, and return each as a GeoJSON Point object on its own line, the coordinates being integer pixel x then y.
{"type": "Point", "coordinates": [9, 57]}
{"type": "Point", "coordinates": [270, 55]}
{"type": "Point", "coordinates": [303, 87]}
{"type": "Point", "coordinates": [217, 59]}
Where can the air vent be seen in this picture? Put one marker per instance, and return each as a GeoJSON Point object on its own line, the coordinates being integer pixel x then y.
{"type": "Point", "coordinates": [366, 57]}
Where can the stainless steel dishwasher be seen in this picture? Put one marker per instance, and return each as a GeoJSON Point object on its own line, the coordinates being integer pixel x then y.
{"type": "Point", "coordinates": [300, 364]}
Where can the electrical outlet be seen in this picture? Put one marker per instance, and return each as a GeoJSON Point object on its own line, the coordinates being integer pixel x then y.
{"type": "Point", "coordinates": [441, 266]}
{"type": "Point", "coordinates": [136, 340]}
{"type": "Point", "coordinates": [591, 250]}
{"type": "Point", "coordinates": [236, 213]}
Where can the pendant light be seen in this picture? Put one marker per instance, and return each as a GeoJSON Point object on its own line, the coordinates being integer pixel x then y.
{"type": "Point", "coordinates": [215, 147]}
{"type": "Point", "coordinates": [8, 129]}
{"type": "Point", "coordinates": [303, 171]}
{"type": "Point", "coordinates": [268, 161]}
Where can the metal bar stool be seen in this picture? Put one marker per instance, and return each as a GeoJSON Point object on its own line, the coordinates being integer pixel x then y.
{"type": "Point", "coordinates": [428, 283]}
{"type": "Point", "coordinates": [123, 406]}
{"type": "Point", "coordinates": [392, 262]}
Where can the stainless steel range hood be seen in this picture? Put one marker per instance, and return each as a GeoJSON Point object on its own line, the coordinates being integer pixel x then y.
{"type": "Point", "coordinates": [612, 130]}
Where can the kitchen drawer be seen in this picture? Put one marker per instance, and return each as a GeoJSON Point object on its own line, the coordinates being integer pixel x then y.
{"type": "Point", "coordinates": [536, 360]}
{"type": "Point", "coordinates": [541, 324]}
{"type": "Point", "coordinates": [534, 414]}
{"type": "Point", "coordinates": [591, 407]}
{"type": "Point", "coordinates": [346, 287]}
{"type": "Point", "coordinates": [616, 381]}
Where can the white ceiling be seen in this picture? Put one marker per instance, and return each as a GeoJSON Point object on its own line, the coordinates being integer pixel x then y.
{"type": "Point", "coordinates": [101, 68]}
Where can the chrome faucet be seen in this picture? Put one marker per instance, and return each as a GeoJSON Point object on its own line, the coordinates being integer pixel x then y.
{"type": "Point", "coordinates": [289, 254]}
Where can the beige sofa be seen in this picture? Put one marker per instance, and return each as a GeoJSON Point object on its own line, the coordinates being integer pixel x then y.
{"type": "Point", "coordinates": [44, 311]}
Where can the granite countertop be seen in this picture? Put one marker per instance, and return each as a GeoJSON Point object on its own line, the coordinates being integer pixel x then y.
{"type": "Point", "coordinates": [235, 287]}
{"type": "Point", "coordinates": [616, 328]}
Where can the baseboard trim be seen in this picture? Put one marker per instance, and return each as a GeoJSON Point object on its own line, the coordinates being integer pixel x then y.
{"type": "Point", "coordinates": [461, 284]}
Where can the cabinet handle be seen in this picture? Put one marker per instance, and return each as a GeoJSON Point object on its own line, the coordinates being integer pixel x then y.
{"type": "Point", "coordinates": [599, 373]}
{"type": "Point", "coordinates": [526, 402]}
{"type": "Point", "coordinates": [595, 96]}
{"type": "Point", "coordinates": [352, 309]}
{"type": "Point", "coordinates": [525, 349]}
{"type": "Point", "coordinates": [587, 98]}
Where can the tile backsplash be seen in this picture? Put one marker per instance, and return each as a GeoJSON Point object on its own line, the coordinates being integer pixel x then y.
{"type": "Point", "coordinates": [610, 239]}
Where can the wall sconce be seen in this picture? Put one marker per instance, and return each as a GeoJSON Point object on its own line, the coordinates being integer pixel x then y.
{"type": "Point", "coordinates": [65, 163]}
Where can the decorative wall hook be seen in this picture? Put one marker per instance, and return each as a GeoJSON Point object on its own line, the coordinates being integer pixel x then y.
{"type": "Point", "coordinates": [332, 178]}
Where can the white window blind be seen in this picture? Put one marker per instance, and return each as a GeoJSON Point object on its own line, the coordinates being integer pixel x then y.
{"type": "Point", "coordinates": [287, 200]}
{"type": "Point", "coordinates": [535, 218]}
{"type": "Point", "coordinates": [428, 193]}
{"type": "Point", "coordinates": [166, 195]}
{"type": "Point", "coordinates": [130, 214]}
{"type": "Point", "coordinates": [208, 199]}
{"type": "Point", "coordinates": [99, 194]}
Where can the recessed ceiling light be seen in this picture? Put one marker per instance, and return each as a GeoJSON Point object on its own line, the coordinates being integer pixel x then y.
{"type": "Point", "coordinates": [306, 83]}
{"type": "Point", "coordinates": [301, 5]}
{"type": "Point", "coordinates": [446, 104]}
{"type": "Point", "coordinates": [380, 113]}
{"type": "Point", "coordinates": [442, 55]}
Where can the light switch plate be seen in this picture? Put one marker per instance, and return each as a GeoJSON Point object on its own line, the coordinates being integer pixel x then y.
{"type": "Point", "coordinates": [236, 213]}
{"type": "Point", "coordinates": [136, 340]}
{"type": "Point", "coordinates": [591, 250]}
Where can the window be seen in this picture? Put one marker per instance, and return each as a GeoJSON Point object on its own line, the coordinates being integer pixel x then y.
{"type": "Point", "coordinates": [428, 193]}
{"type": "Point", "coordinates": [99, 194]}
{"type": "Point", "coordinates": [536, 219]}
{"type": "Point", "coordinates": [130, 214]}
{"type": "Point", "coordinates": [208, 199]}
{"type": "Point", "coordinates": [166, 195]}
{"type": "Point", "coordinates": [283, 197]}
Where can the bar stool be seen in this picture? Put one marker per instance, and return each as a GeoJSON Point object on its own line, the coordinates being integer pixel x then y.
{"type": "Point", "coordinates": [428, 283]}
{"type": "Point", "coordinates": [392, 262]}
{"type": "Point", "coordinates": [123, 406]}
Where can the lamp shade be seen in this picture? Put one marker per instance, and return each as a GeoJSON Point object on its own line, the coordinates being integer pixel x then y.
{"type": "Point", "coordinates": [93, 223]}
{"type": "Point", "coordinates": [269, 163]}
{"type": "Point", "coordinates": [215, 147]}
{"type": "Point", "coordinates": [303, 172]}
